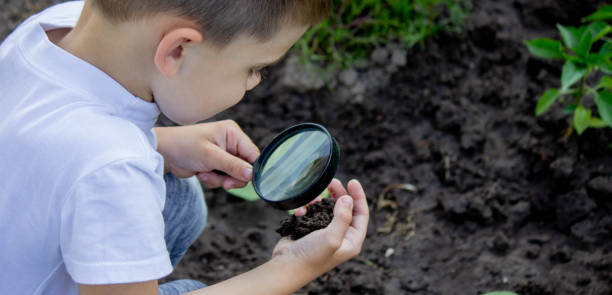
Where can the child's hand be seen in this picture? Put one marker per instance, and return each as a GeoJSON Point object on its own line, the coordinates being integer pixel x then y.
{"type": "Point", "coordinates": [341, 240]}
{"type": "Point", "coordinates": [202, 148]}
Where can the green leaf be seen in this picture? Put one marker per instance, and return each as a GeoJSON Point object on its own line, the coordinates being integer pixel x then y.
{"type": "Point", "coordinates": [597, 123]}
{"type": "Point", "coordinates": [606, 49]}
{"type": "Point", "coordinates": [248, 192]}
{"type": "Point", "coordinates": [603, 99]}
{"type": "Point", "coordinates": [604, 64]}
{"type": "Point", "coordinates": [605, 82]}
{"type": "Point", "coordinates": [598, 30]}
{"type": "Point", "coordinates": [571, 74]}
{"type": "Point", "coordinates": [570, 35]}
{"type": "Point", "coordinates": [570, 109]}
{"type": "Point", "coordinates": [605, 12]}
{"type": "Point", "coordinates": [546, 100]}
{"type": "Point", "coordinates": [500, 293]}
{"type": "Point", "coordinates": [585, 44]}
{"type": "Point", "coordinates": [582, 117]}
{"type": "Point", "coordinates": [545, 48]}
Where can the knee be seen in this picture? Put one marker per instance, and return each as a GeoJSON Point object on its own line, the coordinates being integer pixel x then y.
{"type": "Point", "coordinates": [186, 196]}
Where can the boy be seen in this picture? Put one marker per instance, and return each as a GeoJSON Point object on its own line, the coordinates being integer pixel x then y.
{"type": "Point", "coordinates": [90, 202]}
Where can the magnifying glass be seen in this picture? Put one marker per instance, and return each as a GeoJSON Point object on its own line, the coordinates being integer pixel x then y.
{"type": "Point", "coordinates": [296, 166]}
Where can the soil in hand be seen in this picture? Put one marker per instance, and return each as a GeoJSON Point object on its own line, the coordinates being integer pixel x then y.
{"type": "Point", "coordinates": [319, 215]}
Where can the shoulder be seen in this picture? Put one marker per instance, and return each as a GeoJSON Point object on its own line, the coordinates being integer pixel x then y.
{"type": "Point", "coordinates": [99, 138]}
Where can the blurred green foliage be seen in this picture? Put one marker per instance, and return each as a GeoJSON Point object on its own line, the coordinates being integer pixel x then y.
{"type": "Point", "coordinates": [356, 27]}
{"type": "Point", "coordinates": [586, 52]}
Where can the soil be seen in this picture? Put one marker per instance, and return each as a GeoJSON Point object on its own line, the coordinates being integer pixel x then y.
{"type": "Point", "coordinates": [503, 201]}
{"type": "Point", "coordinates": [318, 216]}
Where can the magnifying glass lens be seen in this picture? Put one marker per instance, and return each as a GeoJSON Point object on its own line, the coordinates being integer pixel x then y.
{"type": "Point", "coordinates": [294, 165]}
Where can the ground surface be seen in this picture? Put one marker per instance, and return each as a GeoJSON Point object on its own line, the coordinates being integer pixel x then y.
{"type": "Point", "coordinates": [503, 202]}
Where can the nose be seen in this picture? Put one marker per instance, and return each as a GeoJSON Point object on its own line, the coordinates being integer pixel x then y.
{"type": "Point", "coordinates": [253, 81]}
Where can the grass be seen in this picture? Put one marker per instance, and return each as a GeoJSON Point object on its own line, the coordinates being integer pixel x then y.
{"type": "Point", "coordinates": [356, 27]}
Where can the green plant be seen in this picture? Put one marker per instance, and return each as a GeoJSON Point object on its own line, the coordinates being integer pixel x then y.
{"type": "Point", "coordinates": [586, 51]}
{"type": "Point", "coordinates": [356, 27]}
{"type": "Point", "coordinates": [248, 193]}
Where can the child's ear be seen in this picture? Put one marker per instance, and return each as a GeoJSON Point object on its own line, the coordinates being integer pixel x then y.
{"type": "Point", "coordinates": [169, 54]}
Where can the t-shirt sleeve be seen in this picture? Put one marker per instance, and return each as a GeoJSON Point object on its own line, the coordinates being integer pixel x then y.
{"type": "Point", "coordinates": [112, 228]}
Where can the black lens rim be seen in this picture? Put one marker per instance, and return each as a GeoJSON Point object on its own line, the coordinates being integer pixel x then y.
{"type": "Point", "coordinates": [317, 187]}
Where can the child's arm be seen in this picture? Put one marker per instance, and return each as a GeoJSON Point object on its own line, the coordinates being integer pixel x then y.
{"type": "Point", "coordinates": [201, 148]}
{"type": "Point", "coordinates": [294, 263]}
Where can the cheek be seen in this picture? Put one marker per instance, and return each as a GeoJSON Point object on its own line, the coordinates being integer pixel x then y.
{"type": "Point", "coordinates": [233, 92]}
{"type": "Point", "coordinates": [213, 97]}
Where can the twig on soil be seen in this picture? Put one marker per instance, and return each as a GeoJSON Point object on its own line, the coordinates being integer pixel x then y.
{"type": "Point", "coordinates": [368, 262]}
{"type": "Point", "coordinates": [407, 228]}
{"type": "Point", "coordinates": [446, 167]}
{"type": "Point", "coordinates": [382, 202]}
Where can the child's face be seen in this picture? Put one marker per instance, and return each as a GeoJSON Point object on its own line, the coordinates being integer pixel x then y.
{"type": "Point", "coordinates": [211, 80]}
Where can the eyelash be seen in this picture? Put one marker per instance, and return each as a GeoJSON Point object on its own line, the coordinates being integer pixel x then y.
{"type": "Point", "coordinates": [263, 73]}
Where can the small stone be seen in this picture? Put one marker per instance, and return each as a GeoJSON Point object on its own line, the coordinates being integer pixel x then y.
{"type": "Point", "coordinates": [600, 188]}
{"type": "Point", "coordinates": [358, 88]}
{"type": "Point", "coordinates": [562, 167]}
{"type": "Point", "coordinates": [295, 76]}
{"type": "Point", "coordinates": [348, 77]}
{"type": "Point", "coordinates": [520, 212]}
{"type": "Point", "coordinates": [398, 57]}
{"type": "Point", "coordinates": [389, 252]}
{"type": "Point", "coordinates": [380, 55]}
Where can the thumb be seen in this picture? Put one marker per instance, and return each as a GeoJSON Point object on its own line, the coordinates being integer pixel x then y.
{"type": "Point", "coordinates": [230, 164]}
{"type": "Point", "coordinates": [343, 214]}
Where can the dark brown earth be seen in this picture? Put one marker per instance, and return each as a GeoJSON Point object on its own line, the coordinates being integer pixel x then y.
{"type": "Point", "coordinates": [318, 216]}
{"type": "Point", "coordinates": [503, 201]}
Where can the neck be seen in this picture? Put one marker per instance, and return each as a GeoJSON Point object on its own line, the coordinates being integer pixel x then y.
{"type": "Point", "coordinates": [123, 50]}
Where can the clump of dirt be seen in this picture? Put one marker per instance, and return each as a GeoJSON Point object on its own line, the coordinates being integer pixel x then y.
{"type": "Point", "coordinates": [319, 215]}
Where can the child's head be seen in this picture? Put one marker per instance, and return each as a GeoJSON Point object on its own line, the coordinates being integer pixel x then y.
{"type": "Point", "coordinates": [211, 51]}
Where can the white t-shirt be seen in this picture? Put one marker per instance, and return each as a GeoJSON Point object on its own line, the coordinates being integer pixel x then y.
{"type": "Point", "coordinates": [81, 182]}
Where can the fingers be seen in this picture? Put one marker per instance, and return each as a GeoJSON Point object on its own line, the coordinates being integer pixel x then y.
{"type": "Point", "coordinates": [238, 143]}
{"type": "Point", "coordinates": [336, 189]}
{"type": "Point", "coordinates": [230, 164]}
{"type": "Point", "coordinates": [361, 213]}
{"type": "Point", "coordinates": [343, 215]}
{"type": "Point", "coordinates": [300, 211]}
{"type": "Point", "coordinates": [210, 179]}
{"type": "Point", "coordinates": [230, 183]}
{"type": "Point", "coordinates": [214, 180]}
